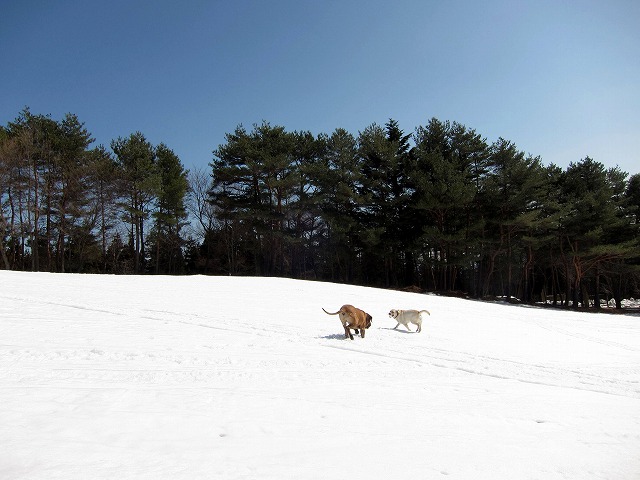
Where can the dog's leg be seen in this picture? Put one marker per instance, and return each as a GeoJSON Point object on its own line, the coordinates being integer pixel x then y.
{"type": "Point", "coordinates": [407, 327]}
{"type": "Point", "coordinates": [347, 332]}
{"type": "Point", "coordinates": [396, 326]}
{"type": "Point", "coordinates": [362, 332]}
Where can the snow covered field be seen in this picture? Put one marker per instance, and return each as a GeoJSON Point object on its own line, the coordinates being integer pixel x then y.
{"type": "Point", "coordinates": [122, 377]}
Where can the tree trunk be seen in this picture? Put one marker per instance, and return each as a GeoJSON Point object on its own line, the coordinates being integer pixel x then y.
{"type": "Point", "coordinates": [3, 227]}
{"type": "Point", "coordinates": [35, 258]}
{"type": "Point", "coordinates": [597, 292]}
{"type": "Point", "coordinates": [141, 257]}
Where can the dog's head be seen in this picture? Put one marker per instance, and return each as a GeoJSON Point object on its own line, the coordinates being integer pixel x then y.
{"type": "Point", "coordinates": [368, 320]}
{"type": "Point", "coordinates": [394, 313]}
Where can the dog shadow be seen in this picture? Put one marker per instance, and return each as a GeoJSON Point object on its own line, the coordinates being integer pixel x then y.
{"type": "Point", "coordinates": [335, 336]}
{"type": "Point", "coordinates": [406, 332]}
{"type": "Point", "coordinates": [338, 336]}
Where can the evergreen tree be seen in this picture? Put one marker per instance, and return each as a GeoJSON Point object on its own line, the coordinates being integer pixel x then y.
{"type": "Point", "coordinates": [6, 156]}
{"type": "Point", "coordinates": [253, 185]}
{"type": "Point", "coordinates": [47, 195]}
{"type": "Point", "coordinates": [632, 194]}
{"type": "Point", "coordinates": [103, 184]}
{"type": "Point", "coordinates": [386, 163]}
{"type": "Point", "coordinates": [470, 153]}
{"type": "Point", "coordinates": [445, 194]}
{"type": "Point", "coordinates": [70, 199]}
{"type": "Point", "coordinates": [35, 136]}
{"type": "Point", "coordinates": [338, 183]}
{"type": "Point", "coordinates": [140, 181]}
{"type": "Point", "coordinates": [513, 202]}
{"type": "Point", "coordinates": [304, 221]}
{"type": "Point", "coordinates": [592, 215]}
{"type": "Point", "coordinates": [616, 259]}
{"type": "Point", "coordinates": [170, 211]}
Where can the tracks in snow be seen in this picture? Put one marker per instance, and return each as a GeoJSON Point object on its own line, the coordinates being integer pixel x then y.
{"type": "Point", "coordinates": [172, 367]}
{"type": "Point", "coordinates": [587, 379]}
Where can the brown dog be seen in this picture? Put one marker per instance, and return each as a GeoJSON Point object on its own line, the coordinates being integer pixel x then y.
{"type": "Point", "coordinates": [352, 318]}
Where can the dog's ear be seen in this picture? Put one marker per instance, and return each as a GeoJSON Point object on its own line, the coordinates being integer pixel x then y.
{"type": "Point", "coordinates": [369, 320]}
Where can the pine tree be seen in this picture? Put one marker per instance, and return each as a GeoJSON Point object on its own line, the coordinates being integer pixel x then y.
{"type": "Point", "coordinates": [70, 175]}
{"type": "Point", "coordinates": [513, 202]}
{"type": "Point", "coordinates": [103, 184]}
{"type": "Point", "coordinates": [253, 185]}
{"type": "Point", "coordinates": [386, 163]}
{"type": "Point", "coordinates": [170, 211]}
{"type": "Point", "coordinates": [140, 182]}
{"type": "Point", "coordinates": [444, 198]}
{"type": "Point", "coordinates": [337, 181]}
{"type": "Point", "coordinates": [588, 228]}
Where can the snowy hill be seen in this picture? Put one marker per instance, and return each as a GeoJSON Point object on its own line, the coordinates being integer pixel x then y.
{"type": "Point", "coordinates": [122, 377]}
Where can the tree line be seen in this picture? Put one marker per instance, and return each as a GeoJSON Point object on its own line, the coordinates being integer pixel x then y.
{"type": "Point", "coordinates": [70, 208]}
{"type": "Point", "coordinates": [439, 209]}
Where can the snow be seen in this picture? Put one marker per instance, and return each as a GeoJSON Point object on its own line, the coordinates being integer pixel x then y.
{"type": "Point", "coordinates": [124, 377]}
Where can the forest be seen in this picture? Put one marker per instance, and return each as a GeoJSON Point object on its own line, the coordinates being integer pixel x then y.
{"type": "Point", "coordinates": [439, 209]}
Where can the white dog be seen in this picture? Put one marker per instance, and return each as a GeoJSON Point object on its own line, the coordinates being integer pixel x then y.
{"type": "Point", "coordinates": [405, 317]}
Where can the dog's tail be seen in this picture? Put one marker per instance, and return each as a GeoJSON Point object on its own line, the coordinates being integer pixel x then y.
{"type": "Point", "coordinates": [426, 311]}
{"type": "Point", "coordinates": [330, 313]}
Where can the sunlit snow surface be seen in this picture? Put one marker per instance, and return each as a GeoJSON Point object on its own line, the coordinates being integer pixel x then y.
{"type": "Point", "coordinates": [124, 377]}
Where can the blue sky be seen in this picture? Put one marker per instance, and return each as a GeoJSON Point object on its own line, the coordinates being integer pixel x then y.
{"type": "Point", "coordinates": [560, 79]}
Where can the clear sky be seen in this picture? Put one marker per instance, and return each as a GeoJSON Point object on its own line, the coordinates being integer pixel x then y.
{"type": "Point", "coordinates": [560, 79]}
